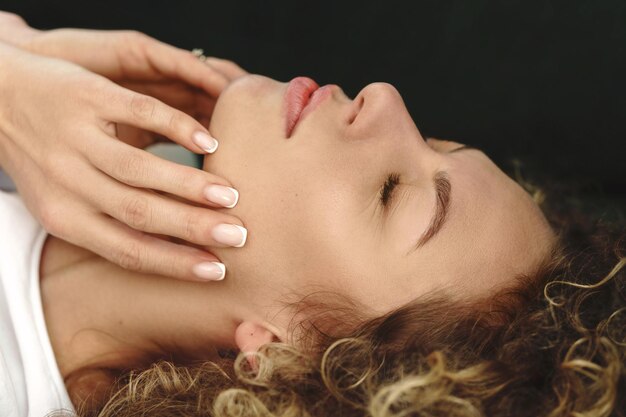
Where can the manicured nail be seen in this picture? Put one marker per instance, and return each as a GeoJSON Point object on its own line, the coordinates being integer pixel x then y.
{"type": "Point", "coordinates": [205, 142]}
{"type": "Point", "coordinates": [230, 235]}
{"type": "Point", "coordinates": [211, 271]}
{"type": "Point", "coordinates": [224, 196]}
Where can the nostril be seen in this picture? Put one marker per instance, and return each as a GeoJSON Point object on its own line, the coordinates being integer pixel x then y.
{"type": "Point", "coordinates": [359, 106]}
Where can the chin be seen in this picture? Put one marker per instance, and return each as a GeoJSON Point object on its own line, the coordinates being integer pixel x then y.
{"type": "Point", "coordinates": [241, 99]}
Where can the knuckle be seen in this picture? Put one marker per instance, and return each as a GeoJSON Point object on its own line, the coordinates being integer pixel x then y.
{"type": "Point", "coordinates": [142, 107]}
{"type": "Point", "coordinates": [135, 44]}
{"type": "Point", "coordinates": [51, 218]}
{"type": "Point", "coordinates": [63, 166]}
{"type": "Point", "coordinates": [175, 121]}
{"type": "Point", "coordinates": [192, 228]}
{"type": "Point", "coordinates": [55, 165]}
{"type": "Point", "coordinates": [130, 168]}
{"type": "Point", "coordinates": [187, 181]}
{"type": "Point", "coordinates": [130, 257]}
{"type": "Point", "coordinates": [98, 90]}
{"type": "Point", "coordinates": [132, 36]}
{"type": "Point", "coordinates": [136, 212]}
{"type": "Point", "coordinates": [12, 18]}
{"type": "Point", "coordinates": [231, 64]}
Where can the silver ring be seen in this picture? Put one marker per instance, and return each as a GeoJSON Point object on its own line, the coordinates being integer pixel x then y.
{"type": "Point", "coordinates": [199, 53]}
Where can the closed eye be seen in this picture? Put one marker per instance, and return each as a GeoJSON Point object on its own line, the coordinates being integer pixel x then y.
{"type": "Point", "coordinates": [386, 192]}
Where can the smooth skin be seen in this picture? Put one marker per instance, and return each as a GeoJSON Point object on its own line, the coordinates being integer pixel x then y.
{"type": "Point", "coordinates": [313, 205]}
{"type": "Point", "coordinates": [77, 108]}
{"type": "Point", "coordinates": [315, 200]}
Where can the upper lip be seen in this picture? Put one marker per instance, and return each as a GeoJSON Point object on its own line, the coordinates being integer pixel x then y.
{"type": "Point", "coordinates": [297, 97]}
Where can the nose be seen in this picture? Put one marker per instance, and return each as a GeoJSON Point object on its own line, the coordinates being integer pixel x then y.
{"type": "Point", "coordinates": [378, 108]}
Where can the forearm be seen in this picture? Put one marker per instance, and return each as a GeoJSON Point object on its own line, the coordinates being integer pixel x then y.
{"type": "Point", "coordinates": [14, 30]}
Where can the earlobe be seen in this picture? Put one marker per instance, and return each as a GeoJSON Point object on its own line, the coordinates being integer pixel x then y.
{"type": "Point", "coordinates": [250, 336]}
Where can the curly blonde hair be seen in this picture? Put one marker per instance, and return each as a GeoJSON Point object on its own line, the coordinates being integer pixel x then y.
{"type": "Point", "coordinates": [554, 345]}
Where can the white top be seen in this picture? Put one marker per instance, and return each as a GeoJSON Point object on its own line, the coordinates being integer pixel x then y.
{"type": "Point", "coordinates": [30, 381]}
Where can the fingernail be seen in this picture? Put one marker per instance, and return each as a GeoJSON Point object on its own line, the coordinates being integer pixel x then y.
{"type": "Point", "coordinates": [212, 271]}
{"type": "Point", "coordinates": [230, 235]}
{"type": "Point", "coordinates": [224, 196]}
{"type": "Point", "coordinates": [205, 142]}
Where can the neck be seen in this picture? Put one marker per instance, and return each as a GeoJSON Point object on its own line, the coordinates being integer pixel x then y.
{"type": "Point", "coordinates": [100, 316]}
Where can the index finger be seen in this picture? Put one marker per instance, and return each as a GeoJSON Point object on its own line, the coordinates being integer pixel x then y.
{"type": "Point", "coordinates": [138, 168]}
{"type": "Point", "coordinates": [148, 113]}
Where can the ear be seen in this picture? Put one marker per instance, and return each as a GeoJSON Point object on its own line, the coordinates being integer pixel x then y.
{"type": "Point", "coordinates": [250, 336]}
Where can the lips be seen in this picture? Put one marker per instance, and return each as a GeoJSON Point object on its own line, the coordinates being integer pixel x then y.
{"type": "Point", "coordinates": [297, 96]}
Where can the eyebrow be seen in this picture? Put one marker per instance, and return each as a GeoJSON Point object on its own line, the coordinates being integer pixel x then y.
{"type": "Point", "coordinates": [443, 189]}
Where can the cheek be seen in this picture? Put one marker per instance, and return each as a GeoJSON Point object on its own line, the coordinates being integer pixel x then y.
{"type": "Point", "coordinates": [299, 233]}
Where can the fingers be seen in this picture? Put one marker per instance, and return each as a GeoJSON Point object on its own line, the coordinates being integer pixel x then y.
{"type": "Point", "coordinates": [153, 213]}
{"type": "Point", "coordinates": [181, 64]}
{"type": "Point", "coordinates": [148, 113]}
{"type": "Point", "coordinates": [226, 67]}
{"type": "Point", "coordinates": [14, 30]}
{"type": "Point", "coordinates": [176, 94]}
{"type": "Point", "coordinates": [159, 58]}
{"type": "Point", "coordinates": [11, 19]}
{"type": "Point", "coordinates": [173, 93]}
{"type": "Point", "coordinates": [140, 169]}
{"type": "Point", "coordinates": [138, 251]}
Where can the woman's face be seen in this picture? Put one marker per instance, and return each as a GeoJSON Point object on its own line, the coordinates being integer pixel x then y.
{"type": "Point", "coordinates": [320, 216]}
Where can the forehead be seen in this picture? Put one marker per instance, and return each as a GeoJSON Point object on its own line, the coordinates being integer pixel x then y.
{"type": "Point", "coordinates": [494, 218]}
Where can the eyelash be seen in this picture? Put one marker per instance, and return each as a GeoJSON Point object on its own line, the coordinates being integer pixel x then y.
{"type": "Point", "coordinates": [386, 192]}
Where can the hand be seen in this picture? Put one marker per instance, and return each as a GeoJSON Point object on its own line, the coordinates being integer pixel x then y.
{"type": "Point", "coordinates": [14, 30]}
{"type": "Point", "coordinates": [142, 64]}
{"type": "Point", "coordinates": [58, 123]}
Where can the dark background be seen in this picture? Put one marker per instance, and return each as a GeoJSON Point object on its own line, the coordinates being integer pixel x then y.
{"type": "Point", "coordinates": [541, 82]}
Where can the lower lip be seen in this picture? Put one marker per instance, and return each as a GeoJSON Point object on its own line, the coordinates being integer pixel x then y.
{"type": "Point", "coordinates": [302, 97]}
